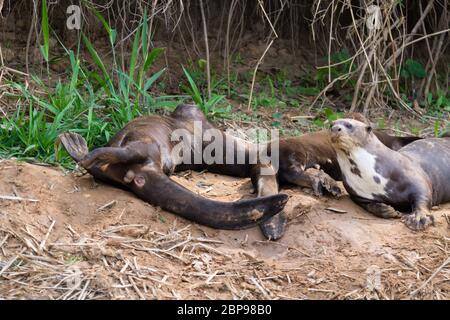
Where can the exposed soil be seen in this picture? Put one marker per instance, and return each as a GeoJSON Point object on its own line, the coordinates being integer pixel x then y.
{"type": "Point", "coordinates": [87, 240]}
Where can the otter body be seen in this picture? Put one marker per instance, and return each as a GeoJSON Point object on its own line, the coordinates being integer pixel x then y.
{"type": "Point", "coordinates": [385, 181]}
{"type": "Point", "coordinates": [139, 158]}
{"type": "Point", "coordinates": [302, 157]}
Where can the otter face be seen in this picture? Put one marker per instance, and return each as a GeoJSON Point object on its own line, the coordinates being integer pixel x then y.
{"type": "Point", "coordinates": [356, 116]}
{"type": "Point", "coordinates": [350, 140]}
{"type": "Point", "coordinates": [347, 134]}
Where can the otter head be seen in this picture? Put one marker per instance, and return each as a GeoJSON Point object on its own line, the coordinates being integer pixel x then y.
{"type": "Point", "coordinates": [347, 134]}
{"type": "Point", "coordinates": [356, 116]}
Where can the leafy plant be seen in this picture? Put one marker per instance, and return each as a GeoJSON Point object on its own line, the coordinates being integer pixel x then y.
{"type": "Point", "coordinates": [440, 102]}
{"type": "Point", "coordinates": [94, 102]}
{"type": "Point", "coordinates": [330, 116]}
{"type": "Point", "coordinates": [412, 69]}
{"type": "Point", "coordinates": [344, 66]}
{"type": "Point", "coordinates": [208, 106]}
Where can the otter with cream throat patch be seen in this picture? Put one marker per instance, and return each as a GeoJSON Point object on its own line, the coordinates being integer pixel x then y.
{"type": "Point", "coordinates": [387, 182]}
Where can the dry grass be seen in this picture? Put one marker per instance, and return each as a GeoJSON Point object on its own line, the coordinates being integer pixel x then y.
{"type": "Point", "coordinates": [134, 262]}
{"type": "Point", "coordinates": [379, 35]}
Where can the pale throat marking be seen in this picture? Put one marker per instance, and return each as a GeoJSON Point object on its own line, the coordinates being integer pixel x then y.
{"type": "Point", "coordinates": [364, 186]}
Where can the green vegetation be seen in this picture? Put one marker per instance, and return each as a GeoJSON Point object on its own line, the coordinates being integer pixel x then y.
{"type": "Point", "coordinates": [97, 98]}
{"type": "Point", "coordinates": [94, 102]}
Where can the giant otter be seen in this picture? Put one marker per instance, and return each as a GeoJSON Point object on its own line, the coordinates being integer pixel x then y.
{"type": "Point", "coordinates": [381, 180]}
{"type": "Point", "coordinates": [310, 160]}
{"type": "Point", "coordinates": [139, 158]}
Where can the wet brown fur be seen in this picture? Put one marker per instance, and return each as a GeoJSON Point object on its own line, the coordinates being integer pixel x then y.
{"type": "Point", "coordinates": [138, 158]}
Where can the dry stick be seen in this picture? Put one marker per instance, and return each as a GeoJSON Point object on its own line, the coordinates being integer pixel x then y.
{"type": "Point", "coordinates": [191, 31]}
{"type": "Point", "coordinates": [205, 34]}
{"type": "Point", "coordinates": [370, 95]}
{"type": "Point", "coordinates": [314, 21]}
{"type": "Point", "coordinates": [42, 245]}
{"type": "Point", "coordinates": [443, 22]}
{"type": "Point", "coordinates": [17, 199]}
{"type": "Point", "coordinates": [218, 41]}
{"type": "Point", "coordinates": [241, 26]}
{"type": "Point", "coordinates": [394, 48]}
{"type": "Point", "coordinates": [267, 17]}
{"type": "Point", "coordinates": [374, 85]}
{"type": "Point", "coordinates": [254, 74]}
{"type": "Point", "coordinates": [420, 39]}
{"type": "Point", "coordinates": [434, 62]}
{"type": "Point", "coordinates": [260, 288]}
{"type": "Point", "coordinates": [430, 53]}
{"type": "Point", "coordinates": [150, 27]}
{"type": "Point", "coordinates": [330, 85]}
{"type": "Point", "coordinates": [413, 31]}
{"type": "Point", "coordinates": [361, 75]}
{"type": "Point", "coordinates": [82, 294]}
{"type": "Point", "coordinates": [135, 287]}
{"type": "Point", "coordinates": [329, 41]}
{"type": "Point", "coordinates": [396, 93]}
{"type": "Point", "coordinates": [10, 262]}
{"type": "Point", "coordinates": [262, 57]}
{"type": "Point", "coordinates": [432, 276]}
{"type": "Point", "coordinates": [360, 78]}
{"type": "Point", "coordinates": [227, 43]}
{"type": "Point", "coordinates": [30, 32]}
{"type": "Point", "coordinates": [360, 40]}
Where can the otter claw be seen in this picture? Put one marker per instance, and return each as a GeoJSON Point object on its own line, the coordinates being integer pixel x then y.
{"type": "Point", "coordinates": [317, 188]}
{"type": "Point", "coordinates": [418, 221]}
{"type": "Point", "coordinates": [322, 182]}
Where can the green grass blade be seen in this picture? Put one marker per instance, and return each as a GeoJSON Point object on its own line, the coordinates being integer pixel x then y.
{"type": "Point", "coordinates": [134, 53]}
{"type": "Point", "coordinates": [98, 61]}
{"type": "Point", "coordinates": [44, 23]}
{"type": "Point", "coordinates": [152, 79]}
{"type": "Point", "coordinates": [196, 96]}
{"type": "Point", "coordinates": [112, 34]}
{"type": "Point", "coordinates": [144, 34]}
{"type": "Point", "coordinates": [154, 54]}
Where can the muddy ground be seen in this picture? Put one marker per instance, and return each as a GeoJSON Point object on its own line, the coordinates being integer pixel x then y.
{"type": "Point", "coordinates": [72, 238]}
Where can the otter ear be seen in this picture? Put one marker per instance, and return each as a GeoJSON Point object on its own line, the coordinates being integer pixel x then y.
{"type": "Point", "coordinates": [369, 129]}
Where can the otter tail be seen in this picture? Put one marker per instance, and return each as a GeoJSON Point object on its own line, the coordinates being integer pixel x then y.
{"type": "Point", "coordinates": [158, 189]}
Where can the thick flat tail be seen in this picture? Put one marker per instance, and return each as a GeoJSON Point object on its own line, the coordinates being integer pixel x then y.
{"type": "Point", "coordinates": [275, 227]}
{"type": "Point", "coordinates": [158, 189]}
{"type": "Point", "coordinates": [74, 144]}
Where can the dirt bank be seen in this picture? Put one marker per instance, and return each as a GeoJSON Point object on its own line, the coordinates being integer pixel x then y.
{"type": "Point", "coordinates": [87, 240]}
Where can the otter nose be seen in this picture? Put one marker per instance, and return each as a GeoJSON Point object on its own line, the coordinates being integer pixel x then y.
{"type": "Point", "coordinates": [335, 128]}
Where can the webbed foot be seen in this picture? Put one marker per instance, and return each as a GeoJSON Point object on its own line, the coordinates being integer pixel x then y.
{"type": "Point", "coordinates": [418, 220]}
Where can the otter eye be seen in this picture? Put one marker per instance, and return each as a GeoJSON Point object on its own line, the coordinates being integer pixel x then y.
{"type": "Point", "coordinates": [348, 126]}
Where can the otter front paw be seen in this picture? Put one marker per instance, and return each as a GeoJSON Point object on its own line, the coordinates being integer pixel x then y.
{"type": "Point", "coordinates": [382, 210]}
{"type": "Point", "coordinates": [322, 182]}
{"type": "Point", "coordinates": [418, 221]}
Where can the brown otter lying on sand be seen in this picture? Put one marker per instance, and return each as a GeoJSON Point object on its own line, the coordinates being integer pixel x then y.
{"type": "Point", "coordinates": [381, 180]}
{"type": "Point", "coordinates": [140, 159]}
